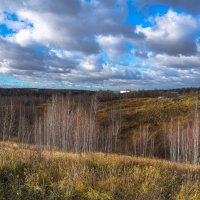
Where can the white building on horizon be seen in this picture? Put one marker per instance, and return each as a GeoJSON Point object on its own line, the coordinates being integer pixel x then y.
{"type": "Point", "coordinates": [124, 91]}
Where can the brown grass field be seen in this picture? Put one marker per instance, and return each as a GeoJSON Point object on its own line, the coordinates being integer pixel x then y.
{"type": "Point", "coordinates": [29, 174]}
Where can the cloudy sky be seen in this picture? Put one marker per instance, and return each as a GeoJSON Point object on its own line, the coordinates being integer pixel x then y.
{"type": "Point", "coordinates": [100, 44]}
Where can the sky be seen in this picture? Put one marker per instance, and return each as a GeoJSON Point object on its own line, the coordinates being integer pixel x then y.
{"type": "Point", "coordinates": [100, 44]}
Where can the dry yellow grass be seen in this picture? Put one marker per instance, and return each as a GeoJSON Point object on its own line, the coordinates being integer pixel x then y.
{"type": "Point", "coordinates": [30, 174]}
{"type": "Point", "coordinates": [155, 112]}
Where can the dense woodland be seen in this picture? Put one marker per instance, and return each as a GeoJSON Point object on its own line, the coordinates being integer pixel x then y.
{"type": "Point", "coordinates": [104, 121]}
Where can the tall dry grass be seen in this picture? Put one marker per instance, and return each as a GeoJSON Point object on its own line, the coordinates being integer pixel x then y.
{"type": "Point", "coordinates": [29, 174]}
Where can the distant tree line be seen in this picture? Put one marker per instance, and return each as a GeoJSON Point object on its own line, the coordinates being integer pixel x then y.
{"type": "Point", "coordinates": [103, 95]}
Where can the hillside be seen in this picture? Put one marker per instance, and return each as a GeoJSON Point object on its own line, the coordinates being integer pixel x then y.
{"type": "Point", "coordinates": [27, 174]}
{"type": "Point", "coordinates": [155, 112]}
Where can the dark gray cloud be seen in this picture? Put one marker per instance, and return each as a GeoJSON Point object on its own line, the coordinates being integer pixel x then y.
{"type": "Point", "coordinates": [177, 62]}
{"type": "Point", "coordinates": [71, 7]}
{"type": "Point", "coordinates": [32, 58]}
{"type": "Point", "coordinates": [187, 46]}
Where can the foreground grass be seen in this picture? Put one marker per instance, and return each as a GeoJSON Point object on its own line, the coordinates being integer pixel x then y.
{"type": "Point", "coordinates": [27, 174]}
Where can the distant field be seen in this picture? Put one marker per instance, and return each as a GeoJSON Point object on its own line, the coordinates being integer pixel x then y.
{"type": "Point", "coordinates": [136, 112]}
{"type": "Point", "coordinates": [26, 174]}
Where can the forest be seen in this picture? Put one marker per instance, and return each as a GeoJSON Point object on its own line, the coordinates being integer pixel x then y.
{"type": "Point", "coordinates": [86, 121]}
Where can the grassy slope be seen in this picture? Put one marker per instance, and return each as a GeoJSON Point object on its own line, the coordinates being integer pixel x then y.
{"type": "Point", "coordinates": [26, 174]}
{"type": "Point", "coordinates": [154, 112]}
